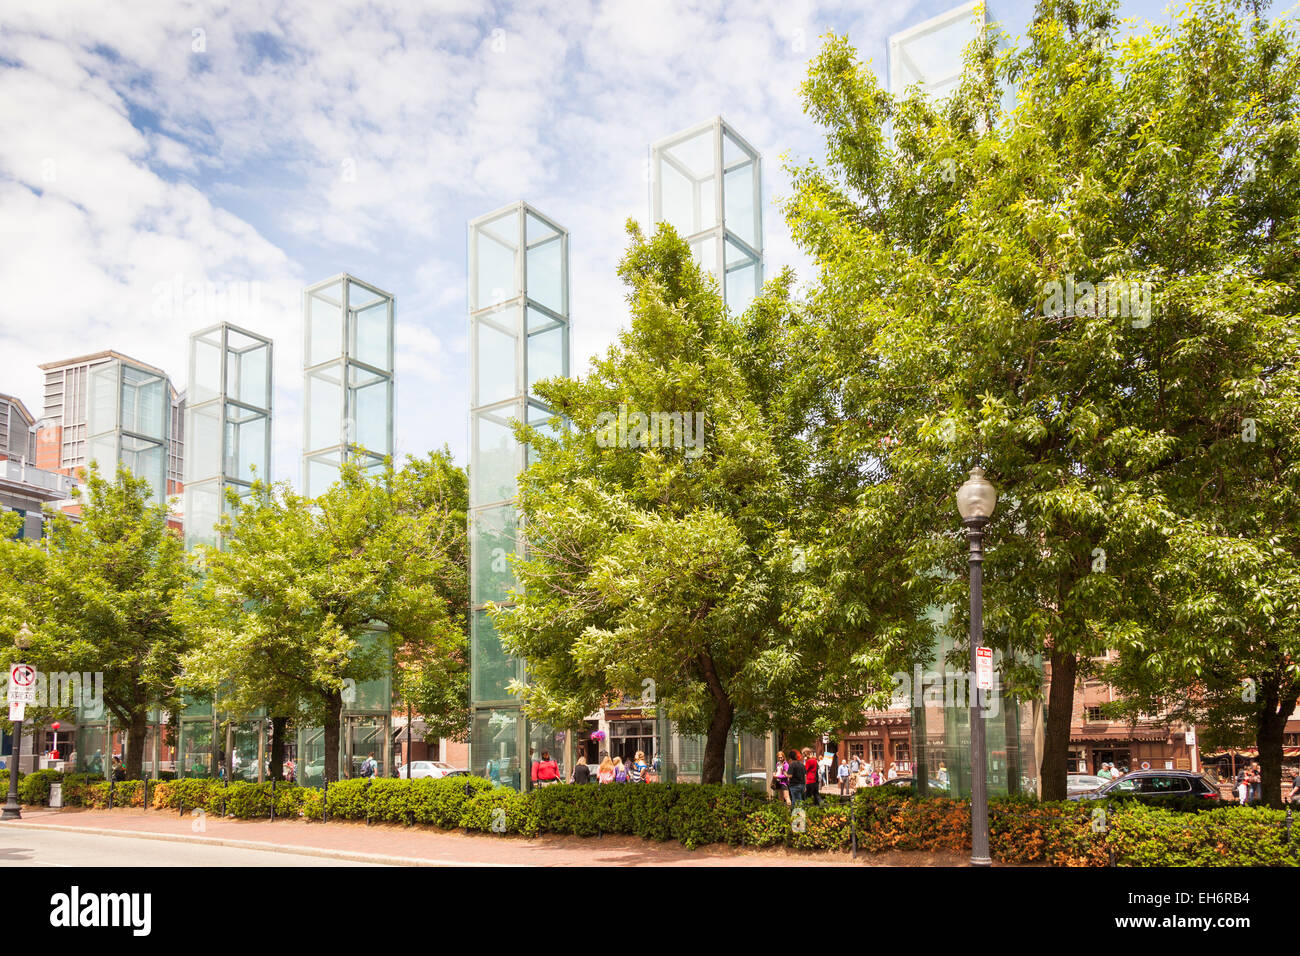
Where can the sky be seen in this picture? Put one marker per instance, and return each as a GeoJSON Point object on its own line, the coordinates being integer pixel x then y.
{"type": "Point", "coordinates": [153, 146]}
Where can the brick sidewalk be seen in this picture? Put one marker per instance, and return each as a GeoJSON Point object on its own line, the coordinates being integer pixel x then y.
{"type": "Point", "coordinates": [421, 846]}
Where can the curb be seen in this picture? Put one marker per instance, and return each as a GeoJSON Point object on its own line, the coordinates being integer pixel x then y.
{"type": "Point", "coordinates": [349, 855]}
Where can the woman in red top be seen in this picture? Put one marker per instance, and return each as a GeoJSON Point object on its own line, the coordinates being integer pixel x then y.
{"type": "Point", "coordinates": [546, 771]}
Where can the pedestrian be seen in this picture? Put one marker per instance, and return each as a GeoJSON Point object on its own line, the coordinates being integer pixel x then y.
{"type": "Point", "coordinates": [845, 770]}
{"type": "Point", "coordinates": [581, 772]}
{"type": "Point", "coordinates": [1256, 784]}
{"type": "Point", "coordinates": [824, 767]}
{"type": "Point", "coordinates": [290, 771]}
{"type": "Point", "coordinates": [606, 772]}
{"type": "Point", "coordinates": [876, 779]}
{"type": "Point", "coordinates": [369, 767]}
{"type": "Point", "coordinates": [1294, 795]}
{"type": "Point", "coordinates": [798, 777]}
{"type": "Point", "coordinates": [893, 771]}
{"type": "Point", "coordinates": [639, 770]}
{"type": "Point", "coordinates": [812, 790]}
{"type": "Point", "coordinates": [545, 771]}
{"type": "Point", "coordinates": [854, 765]}
{"type": "Point", "coordinates": [864, 774]}
{"type": "Point", "coordinates": [620, 770]}
{"type": "Point", "coordinates": [1104, 771]}
{"type": "Point", "coordinates": [1243, 789]}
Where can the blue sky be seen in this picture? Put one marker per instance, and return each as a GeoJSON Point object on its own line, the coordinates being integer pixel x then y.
{"type": "Point", "coordinates": [281, 143]}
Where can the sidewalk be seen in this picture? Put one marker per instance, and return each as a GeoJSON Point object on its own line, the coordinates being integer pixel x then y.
{"type": "Point", "coordinates": [415, 846]}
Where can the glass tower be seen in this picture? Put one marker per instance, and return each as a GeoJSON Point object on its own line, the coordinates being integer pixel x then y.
{"type": "Point", "coordinates": [707, 183]}
{"type": "Point", "coordinates": [930, 53]}
{"type": "Point", "coordinates": [228, 421]}
{"type": "Point", "coordinates": [519, 335]}
{"type": "Point", "coordinates": [348, 379]}
{"type": "Point", "coordinates": [128, 420]}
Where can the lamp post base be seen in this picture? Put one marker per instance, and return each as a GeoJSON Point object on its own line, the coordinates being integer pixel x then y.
{"type": "Point", "coordinates": [980, 861]}
{"type": "Point", "coordinates": [12, 811]}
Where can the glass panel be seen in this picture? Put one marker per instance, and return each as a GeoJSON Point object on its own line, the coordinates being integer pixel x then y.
{"type": "Point", "coordinates": [541, 419]}
{"type": "Point", "coordinates": [706, 254]}
{"type": "Point", "coordinates": [361, 296]}
{"type": "Point", "coordinates": [103, 450]}
{"type": "Point", "coordinates": [676, 198]}
{"type": "Point", "coordinates": [322, 471]}
{"type": "Point", "coordinates": [243, 756]}
{"type": "Point", "coordinates": [688, 184]}
{"type": "Point", "coordinates": [495, 246]}
{"type": "Point", "coordinates": [371, 336]}
{"type": "Point", "coordinates": [497, 355]}
{"type": "Point", "coordinates": [145, 403]}
{"type": "Point", "coordinates": [732, 151]}
{"type": "Point", "coordinates": [246, 443]}
{"type": "Point", "coordinates": [247, 376]}
{"type": "Point", "coordinates": [202, 511]}
{"type": "Point", "coordinates": [369, 402]}
{"type": "Point", "coordinates": [537, 230]}
{"type": "Point", "coordinates": [205, 375]}
{"type": "Point", "coordinates": [196, 739]}
{"type": "Point", "coordinates": [742, 287]}
{"type": "Point", "coordinates": [101, 407]}
{"type": "Point", "coordinates": [325, 407]}
{"type": "Point", "coordinates": [738, 197]}
{"type": "Point", "coordinates": [325, 324]}
{"type": "Point", "coordinates": [497, 455]}
{"type": "Point", "coordinates": [493, 669]}
{"type": "Point", "coordinates": [546, 274]}
{"type": "Point", "coordinates": [546, 355]}
{"type": "Point", "coordinates": [495, 539]}
{"type": "Point", "coordinates": [311, 757]}
{"type": "Point", "coordinates": [366, 739]}
{"type": "Point", "coordinates": [145, 459]}
{"type": "Point", "coordinates": [203, 442]}
{"type": "Point", "coordinates": [495, 752]}
{"type": "Point", "coordinates": [372, 695]}
{"type": "Point", "coordinates": [931, 54]}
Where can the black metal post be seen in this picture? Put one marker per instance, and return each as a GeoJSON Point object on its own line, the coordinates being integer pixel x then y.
{"type": "Point", "coordinates": [407, 762]}
{"type": "Point", "coordinates": [13, 809]}
{"type": "Point", "coordinates": [325, 802]}
{"type": "Point", "coordinates": [979, 795]}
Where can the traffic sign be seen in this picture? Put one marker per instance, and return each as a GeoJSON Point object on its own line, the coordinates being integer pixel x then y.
{"type": "Point", "coordinates": [984, 668]}
{"type": "Point", "coordinates": [22, 684]}
{"type": "Point", "coordinates": [17, 710]}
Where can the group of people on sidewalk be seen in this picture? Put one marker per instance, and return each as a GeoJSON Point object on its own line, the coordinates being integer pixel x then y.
{"type": "Point", "coordinates": [546, 771]}
{"type": "Point", "coordinates": [799, 775]}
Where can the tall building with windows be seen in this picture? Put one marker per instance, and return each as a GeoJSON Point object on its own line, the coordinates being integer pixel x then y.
{"type": "Point", "coordinates": [110, 408]}
{"type": "Point", "coordinates": [707, 183]}
{"type": "Point", "coordinates": [24, 488]}
{"type": "Point", "coordinates": [519, 335]}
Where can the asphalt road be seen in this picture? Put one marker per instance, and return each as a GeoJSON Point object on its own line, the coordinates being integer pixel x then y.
{"type": "Point", "coordinates": [32, 847]}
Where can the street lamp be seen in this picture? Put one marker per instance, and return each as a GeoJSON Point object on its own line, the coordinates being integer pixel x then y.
{"type": "Point", "coordinates": [13, 809]}
{"type": "Point", "coordinates": [976, 499]}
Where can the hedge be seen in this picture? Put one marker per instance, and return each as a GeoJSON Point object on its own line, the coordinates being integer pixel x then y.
{"type": "Point", "coordinates": [1021, 830]}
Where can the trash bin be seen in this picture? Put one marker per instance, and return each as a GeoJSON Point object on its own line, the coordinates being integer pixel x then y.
{"type": "Point", "coordinates": [56, 796]}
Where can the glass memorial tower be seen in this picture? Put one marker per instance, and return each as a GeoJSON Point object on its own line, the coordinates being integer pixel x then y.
{"type": "Point", "coordinates": [128, 420]}
{"type": "Point", "coordinates": [706, 182]}
{"type": "Point", "coordinates": [519, 335]}
{"type": "Point", "coordinates": [348, 379]}
{"type": "Point", "coordinates": [228, 421]}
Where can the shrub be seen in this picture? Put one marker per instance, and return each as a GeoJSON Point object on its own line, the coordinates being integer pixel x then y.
{"type": "Point", "coordinates": [501, 810]}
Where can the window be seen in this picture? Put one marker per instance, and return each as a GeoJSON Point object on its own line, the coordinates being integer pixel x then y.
{"type": "Point", "coordinates": [1163, 786]}
{"type": "Point", "coordinates": [877, 751]}
{"type": "Point", "coordinates": [1093, 715]}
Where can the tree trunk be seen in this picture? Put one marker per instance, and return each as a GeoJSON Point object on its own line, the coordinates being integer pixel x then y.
{"type": "Point", "coordinates": [1276, 703]}
{"type": "Point", "coordinates": [278, 725]}
{"type": "Point", "coordinates": [1056, 738]}
{"type": "Point", "coordinates": [715, 747]}
{"type": "Point", "coordinates": [333, 707]}
{"type": "Point", "coordinates": [230, 751]}
{"type": "Point", "coordinates": [135, 734]}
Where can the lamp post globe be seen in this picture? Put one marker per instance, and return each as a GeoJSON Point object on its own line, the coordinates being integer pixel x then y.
{"type": "Point", "coordinates": [976, 498]}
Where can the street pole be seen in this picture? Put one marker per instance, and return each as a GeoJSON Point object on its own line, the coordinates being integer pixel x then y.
{"type": "Point", "coordinates": [407, 762]}
{"type": "Point", "coordinates": [976, 499]}
{"type": "Point", "coordinates": [13, 809]}
{"type": "Point", "coordinates": [979, 794]}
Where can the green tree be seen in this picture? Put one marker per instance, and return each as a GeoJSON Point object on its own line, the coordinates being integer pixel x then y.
{"type": "Point", "coordinates": [310, 597]}
{"type": "Point", "coordinates": [668, 528]}
{"type": "Point", "coordinates": [1068, 272]}
{"type": "Point", "coordinates": [106, 600]}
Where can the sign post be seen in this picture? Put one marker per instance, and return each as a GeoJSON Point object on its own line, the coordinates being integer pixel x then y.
{"type": "Point", "coordinates": [22, 691]}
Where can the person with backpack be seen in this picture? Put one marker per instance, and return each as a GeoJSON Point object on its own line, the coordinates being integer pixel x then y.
{"type": "Point", "coordinates": [369, 767]}
{"type": "Point", "coordinates": [638, 771]}
{"type": "Point", "coordinates": [620, 770]}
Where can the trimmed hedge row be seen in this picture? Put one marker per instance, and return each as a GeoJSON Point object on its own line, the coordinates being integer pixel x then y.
{"type": "Point", "coordinates": [1022, 830]}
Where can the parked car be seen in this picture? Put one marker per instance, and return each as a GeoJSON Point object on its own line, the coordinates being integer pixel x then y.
{"type": "Point", "coordinates": [433, 769]}
{"type": "Point", "coordinates": [1153, 785]}
{"type": "Point", "coordinates": [1083, 782]}
{"type": "Point", "coordinates": [936, 785]}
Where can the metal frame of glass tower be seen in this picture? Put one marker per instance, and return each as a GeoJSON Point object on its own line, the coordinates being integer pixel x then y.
{"type": "Point", "coordinates": [724, 226]}
{"type": "Point", "coordinates": [228, 421]}
{"type": "Point", "coordinates": [347, 378]}
{"type": "Point", "coordinates": [518, 334]}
